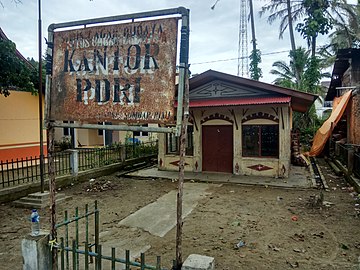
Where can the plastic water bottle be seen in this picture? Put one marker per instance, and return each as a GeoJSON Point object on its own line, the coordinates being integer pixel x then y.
{"type": "Point", "coordinates": [35, 223]}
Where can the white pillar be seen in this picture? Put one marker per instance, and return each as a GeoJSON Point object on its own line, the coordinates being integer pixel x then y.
{"type": "Point", "coordinates": [36, 252]}
{"type": "Point", "coordinates": [74, 162]}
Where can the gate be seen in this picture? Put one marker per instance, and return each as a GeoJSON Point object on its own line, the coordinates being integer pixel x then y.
{"type": "Point", "coordinates": [75, 254]}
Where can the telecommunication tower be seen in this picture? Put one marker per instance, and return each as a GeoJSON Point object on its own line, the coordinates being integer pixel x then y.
{"type": "Point", "coordinates": [243, 55]}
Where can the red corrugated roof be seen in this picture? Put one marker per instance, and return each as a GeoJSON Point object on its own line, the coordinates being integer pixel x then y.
{"type": "Point", "coordinates": [238, 101]}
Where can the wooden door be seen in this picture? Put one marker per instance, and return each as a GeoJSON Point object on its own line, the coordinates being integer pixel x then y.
{"type": "Point", "coordinates": [217, 148]}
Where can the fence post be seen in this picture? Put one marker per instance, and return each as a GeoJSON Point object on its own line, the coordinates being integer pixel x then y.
{"type": "Point", "coordinates": [350, 159]}
{"type": "Point", "coordinates": [74, 162]}
{"type": "Point", "coordinates": [337, 148]}
{"type": "Point", "coordinates": [123, 153]}
{"type": "Point", "coordinates": [36, 252]}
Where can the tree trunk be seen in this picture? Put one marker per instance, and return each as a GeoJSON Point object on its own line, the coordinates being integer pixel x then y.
{"type": "Point", "coordinates": [313, 46]}
{"type": "Point", "coordinates": [291, 29]}
{"type": "Point", "coordinates": [252, 25]}
{"type": "Point", "coordinates": [292, 38]}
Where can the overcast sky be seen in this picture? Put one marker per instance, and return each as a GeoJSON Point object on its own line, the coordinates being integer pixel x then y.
{"type": "Point", "coordinates": [213, 37]}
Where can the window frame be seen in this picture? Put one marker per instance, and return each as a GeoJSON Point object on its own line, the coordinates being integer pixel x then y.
{"type": "Point", "coordinates": [259, 132]}
{"type": "Point", "coordinates": [141, 133]}
{"type": "Point", "coordinates": [100, 132]}
{"type": "Point", "coordinates": [189, 150]}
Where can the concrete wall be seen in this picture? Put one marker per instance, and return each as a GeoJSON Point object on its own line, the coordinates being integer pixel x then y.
{"type": "Point", "coordinates": [279, 166]}
{"type": "Point", "coordinates": [19, 121]}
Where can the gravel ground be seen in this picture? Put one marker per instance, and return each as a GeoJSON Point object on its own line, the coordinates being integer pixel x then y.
{"type": "Point", "coordinates": [243, 227]}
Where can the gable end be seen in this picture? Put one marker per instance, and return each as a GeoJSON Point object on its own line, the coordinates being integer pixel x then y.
{"type": "Point", "coordinates": [220, 89]}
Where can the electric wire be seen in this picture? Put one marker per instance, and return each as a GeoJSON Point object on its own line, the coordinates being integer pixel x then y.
{"type": "Point", "coordinates": [236, 58]}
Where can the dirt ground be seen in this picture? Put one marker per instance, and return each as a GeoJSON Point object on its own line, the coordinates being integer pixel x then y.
{"type": "Point", "coordinates": [275, 228]}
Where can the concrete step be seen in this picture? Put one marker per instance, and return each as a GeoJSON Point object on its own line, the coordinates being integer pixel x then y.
{"type": "Point", "coordinates": [39, 200]}
{"type": "Point", "coordinates": [43, 199]}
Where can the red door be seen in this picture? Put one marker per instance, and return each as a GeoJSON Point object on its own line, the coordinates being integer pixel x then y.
{"type": "Point", "coordinates": [217, 148]}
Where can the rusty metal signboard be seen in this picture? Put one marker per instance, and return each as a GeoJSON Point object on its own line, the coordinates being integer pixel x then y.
{"type": "Point", "coordinates": [120, 72]}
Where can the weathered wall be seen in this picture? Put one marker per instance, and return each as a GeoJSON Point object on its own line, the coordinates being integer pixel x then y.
{"type": "Point", "coordinates": [19, 121]}
{"type": "Point", "coordinates": [351, 78]}
{"type": "Point", "coordinates": [354, 120]}
{"type": "Point", "coordinates": [279, 167]}
{"type": "Point", "coordinates": [355, 103]}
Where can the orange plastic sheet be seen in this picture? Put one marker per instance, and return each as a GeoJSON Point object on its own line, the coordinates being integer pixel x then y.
{"type": "Point", "coordinates": [323, 133]}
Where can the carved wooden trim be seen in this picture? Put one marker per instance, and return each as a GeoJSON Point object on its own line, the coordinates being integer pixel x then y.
{"type": "Point", "coordinates": [276, 110]}
{"type": "Point", "coordinates": [282, 118]}
{"type": "Point", "coordinates": [233, 114]}
{"type": "Point", "coordinates": [216, 116]}
{"type": "Point", "coordinates": [221, 89]}
{"type": "Point", "coordinates": [260, 115]}
{"type": "Point", "coordinates": [244, 112]}
{"type": "Point", "coordinates": [192, 120]}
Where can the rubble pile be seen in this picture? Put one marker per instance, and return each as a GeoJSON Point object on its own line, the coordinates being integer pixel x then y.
{"type": "Point", "coordinates": [99, 185]}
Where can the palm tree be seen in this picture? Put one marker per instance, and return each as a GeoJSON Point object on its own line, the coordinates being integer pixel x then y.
{"type": "Point", "coordinates": [287, 72]}
{"type": "Point", "coordinates": [302, 62]}
{"type": "Point", "coordinates": [346, 34]}
{"type": "Point", "coordinates": [346, 22]}
{"type": "Point", "coordinates": [289, 11]}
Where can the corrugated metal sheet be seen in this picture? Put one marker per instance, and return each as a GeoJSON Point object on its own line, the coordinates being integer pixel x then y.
{"type": "Point", "coordinates": [239, 101]}
{"type": "Point", "coordinates": [123, 72]}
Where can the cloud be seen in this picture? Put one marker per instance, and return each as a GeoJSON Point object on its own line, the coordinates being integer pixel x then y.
{"type": "Point", "coordinates": [214, 33]}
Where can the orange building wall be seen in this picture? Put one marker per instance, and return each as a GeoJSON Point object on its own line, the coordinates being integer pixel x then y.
{"type": "Point", "coordinates": [19, 123]}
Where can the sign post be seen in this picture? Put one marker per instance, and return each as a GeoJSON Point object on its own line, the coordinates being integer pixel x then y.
{"type": "Point", "coordinates": [122, 72]}
{"type": "Point", "coordinates": [183, 115]}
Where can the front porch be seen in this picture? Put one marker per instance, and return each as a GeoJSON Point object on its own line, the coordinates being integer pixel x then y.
{"type": "Point", "coordinates": [300, 177]}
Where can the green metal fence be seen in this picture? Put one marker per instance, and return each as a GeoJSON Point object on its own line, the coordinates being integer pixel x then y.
{"type": "Point", "coordinates": [22, 171]}
{"type": "Point", "coordinates": [65, 229]}
{"type": "Point", "coordinates": [79, 246]}
{"type": "Point", "coordinates": [27, 170]}
{"type": "Point", "coordinates": [90, 158]}
{"type": "Point", "coordinates": [100, 258]}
